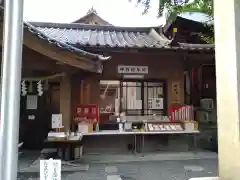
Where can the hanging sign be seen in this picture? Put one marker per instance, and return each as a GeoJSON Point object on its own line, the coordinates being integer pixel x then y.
{"type": "Point", "coordinates": [32, 102]}
{"type": "Point", "coordinates": [88, 111]}
{"type": "Point", "coordinates": [132, 69]}
{"type": "Point", "coordinates": [176, 87]}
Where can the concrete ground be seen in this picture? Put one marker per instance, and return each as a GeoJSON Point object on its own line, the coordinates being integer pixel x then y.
{"type": "Point", "coordinates": [141, 170]}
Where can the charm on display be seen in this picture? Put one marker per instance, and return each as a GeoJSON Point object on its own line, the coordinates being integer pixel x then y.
{"type": "Point", "coordinates": [40, 88]}
{"type": "Point", "coordinates": [23, 88]}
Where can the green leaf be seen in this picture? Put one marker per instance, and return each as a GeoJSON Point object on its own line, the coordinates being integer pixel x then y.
{"type": "Point", "coordinates": [177, 7]}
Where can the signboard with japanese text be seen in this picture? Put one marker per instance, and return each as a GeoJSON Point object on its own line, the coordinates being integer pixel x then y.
{"type": "Point", "coordinates": [50, 169]}
{"type": "Point", "coordinates": [132, 69]}
{"type": "Point", "coordinates": [176, 90]}
{"type": "Point", "coordinates": [87, 112]}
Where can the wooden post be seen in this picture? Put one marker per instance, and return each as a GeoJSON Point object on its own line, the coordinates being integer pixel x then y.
{"type": "Point", "coordinates": [94, 89]}
{"type": "Point", "coordinates": [87, 93]}
{"type": "Point", "coordinates": [65, 101]}
{"type": "Point", "coordinates": [81, 92]}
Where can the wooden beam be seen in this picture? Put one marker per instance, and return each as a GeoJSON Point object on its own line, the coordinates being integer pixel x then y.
{"type": "Point", "coordinates": [44, 77]}
{"type": "Point", "coordinates": [164, 51]}
{"type": "Point", "coordinates": [34, 64]}
{"type": "Point", "coordinates": [54, 52]}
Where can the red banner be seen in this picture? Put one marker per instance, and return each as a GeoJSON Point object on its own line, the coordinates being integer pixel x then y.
{"type": "Point", "coordinates": [89, 112]}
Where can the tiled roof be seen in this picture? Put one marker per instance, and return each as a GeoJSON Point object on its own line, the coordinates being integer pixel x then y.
{"type": "Point", "coordinates": [63, 45]}
{"type": "Point", "coordinates": [59, 44]}
{"type": "Point", "coordinates": [104, 36]}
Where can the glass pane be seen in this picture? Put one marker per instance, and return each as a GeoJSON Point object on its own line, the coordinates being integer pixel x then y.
{"type": "Point", "coordinates": [109, 92]}
{"type": "Point", "coordinates": [132, 84]}
{"type": "Point", "coordinates": [159, 92]}
{"type": "Point", "coordinates": [152, 90]}
{"type": "Point", "coordinates": [106, 82]}
{"type": "Point", "coordinates": [153, 84]}
{"type": "Point", "coordinates": [132, 103]}
{"type": "Point", "coordinates": [138, 93]}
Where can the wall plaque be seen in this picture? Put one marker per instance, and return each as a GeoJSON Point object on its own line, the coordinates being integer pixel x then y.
{"type": "Point", "coordinates": [176, 88]}
{"type": "Point", "coordinates": [132, 69]}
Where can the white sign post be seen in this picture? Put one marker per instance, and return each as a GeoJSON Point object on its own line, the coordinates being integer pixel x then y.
{"type": "Point", "coordinates": [57, 121]}
{"type": "Point", "coordinates": [50, 169]}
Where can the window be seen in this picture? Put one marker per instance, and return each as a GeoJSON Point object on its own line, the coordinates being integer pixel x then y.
{"type": "Point", "coordinates": [109, 95]}
{"type": "Point", "coordinates": [154, 98]}
{"type": "Point", "coordinates": [138, 97]}
{"type": "Point", "coordinates": [132, 98]}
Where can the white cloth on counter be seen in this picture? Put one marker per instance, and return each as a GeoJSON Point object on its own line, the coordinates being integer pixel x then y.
{"type": "Point", "coordinates": [63, 135]}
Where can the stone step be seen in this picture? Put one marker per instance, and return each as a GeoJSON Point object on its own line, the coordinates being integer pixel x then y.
{"type": "Point", "coordinates": [205, 178]}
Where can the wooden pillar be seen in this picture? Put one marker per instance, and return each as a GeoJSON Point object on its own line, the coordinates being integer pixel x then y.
{"type": "Point", "coordinates": [90, 90]}
{"type": "Point", "coordinates": [65, 101]}
{"type": "Point", "coordinates": [81, 100]}
{"type": "Point", "coordinates": [227, 40]}
{"type": "Point", "coordinates": [84, 92]}
{"type": "Point", "coordinates": [87, 93]}
{"type": "Point", "coordinates": [94, 89]}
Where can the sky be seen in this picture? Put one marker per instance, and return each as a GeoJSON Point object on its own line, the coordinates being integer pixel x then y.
{"type": "Point", "coordinates": [116, 12]}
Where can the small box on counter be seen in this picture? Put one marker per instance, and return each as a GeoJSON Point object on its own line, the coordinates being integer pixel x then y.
{"type": "Point", "coordinates": [190, 125]}
{"type": "Point", "coordinates": [84, 127]}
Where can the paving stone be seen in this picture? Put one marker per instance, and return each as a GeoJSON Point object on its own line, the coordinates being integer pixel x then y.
{"type": "Point", "coordinates": [111, 169]}
{"type": "Point", "coordinates": [114, 177]}
{"type": "Point", "coordinates": [146, 170]}
{"type": "Point", "coordinates": [194, 168]}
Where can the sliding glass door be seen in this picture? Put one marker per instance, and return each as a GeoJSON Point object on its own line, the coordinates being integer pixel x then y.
{"type": "Point", "coordinates": [154, 98]}
{"type": "Point", "coordinates": [133, 97]}
{"type": "Point", "coordinates": [143, 98]}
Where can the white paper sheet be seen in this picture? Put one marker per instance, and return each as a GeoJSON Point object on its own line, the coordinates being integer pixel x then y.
{"type": "Point", "coordinates": [57, 121]}
{"type": "Point", "coordinates": [31, 102]}
{"type": "Point", "coordinates": [50, 169]}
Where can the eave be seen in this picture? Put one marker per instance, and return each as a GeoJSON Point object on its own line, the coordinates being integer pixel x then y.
{"type": "Point", "coordinates": [56, 50]}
